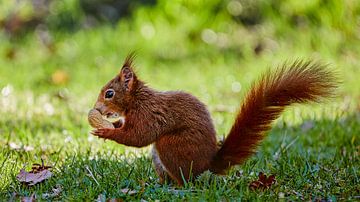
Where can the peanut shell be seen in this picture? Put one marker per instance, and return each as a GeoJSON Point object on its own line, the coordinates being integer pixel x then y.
{"type": "Point", "coordinates": [95, 119]}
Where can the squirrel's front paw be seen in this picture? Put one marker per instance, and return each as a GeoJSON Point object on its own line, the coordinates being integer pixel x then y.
{"type": "Point", "coordinates": [105, 133]}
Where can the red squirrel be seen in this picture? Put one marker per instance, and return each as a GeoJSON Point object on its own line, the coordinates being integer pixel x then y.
{"type": "Point", "coordinates": [180, 127]}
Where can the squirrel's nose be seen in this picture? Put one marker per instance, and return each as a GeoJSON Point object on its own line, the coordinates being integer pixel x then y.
{"type": "Point", "coordinates": [100, 107]}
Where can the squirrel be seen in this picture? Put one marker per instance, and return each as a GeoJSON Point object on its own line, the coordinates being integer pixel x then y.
{"type": "Point", "coordinates": [180, 127]}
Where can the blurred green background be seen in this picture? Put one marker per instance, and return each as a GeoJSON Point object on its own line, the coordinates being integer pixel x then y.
{"type": "Point", "coordinates": [56, 55]}
{"type": "Point", "coordinates": [87, 40]}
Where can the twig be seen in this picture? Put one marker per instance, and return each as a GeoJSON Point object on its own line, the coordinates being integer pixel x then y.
{"type": "Point", "coordinates": [291, 143]}
{"type": "Point", "coordinates": [91, 174]}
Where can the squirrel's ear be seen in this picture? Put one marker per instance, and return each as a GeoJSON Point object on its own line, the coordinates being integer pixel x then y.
{"type": "Point", "coordinates": [127, 78]}
{"type": "Point", "coordinates": [127, 75]}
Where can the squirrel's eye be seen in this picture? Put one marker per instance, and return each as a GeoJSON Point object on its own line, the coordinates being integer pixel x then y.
{"type": "Point", "coordinates": [109, 93]}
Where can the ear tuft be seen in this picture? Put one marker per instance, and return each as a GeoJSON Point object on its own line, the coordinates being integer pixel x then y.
{"type": "Point", "coordinates": [129, 61]}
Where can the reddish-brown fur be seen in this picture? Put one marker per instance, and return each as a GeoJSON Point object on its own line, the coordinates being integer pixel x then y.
{"type": "Point", "coordinates": [180, 127]}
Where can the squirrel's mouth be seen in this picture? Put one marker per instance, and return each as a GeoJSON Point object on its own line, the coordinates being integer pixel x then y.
{"type": "Point", "coordinates": [118, 124]}
{"type": "Point", "coordinates": [114, 118]}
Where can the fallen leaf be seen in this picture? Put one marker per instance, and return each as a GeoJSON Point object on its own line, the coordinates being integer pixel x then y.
{"type": "Point", "coordinates": [33, 178]}
{"type": "Point", "coordinates": [129, 191]}
{"type": "Point", "coordinates": [37, 174]}
{"type": "Point", "coordinates": [263, 182]}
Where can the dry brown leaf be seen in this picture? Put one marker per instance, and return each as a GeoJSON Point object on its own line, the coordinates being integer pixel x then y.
{"type": "Point", "coordinates": [263, 182]}
{"type": "Point", "coordinates": [38, 173]}
{"type": "Point", "coordinates": [33, 178]}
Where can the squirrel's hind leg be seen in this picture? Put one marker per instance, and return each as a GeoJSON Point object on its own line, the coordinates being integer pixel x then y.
{"type": "Point", "coordinates": [159, 167]}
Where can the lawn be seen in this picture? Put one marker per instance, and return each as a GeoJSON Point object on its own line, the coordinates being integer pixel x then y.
{"type": "Point", "coordinates": [50, 79]}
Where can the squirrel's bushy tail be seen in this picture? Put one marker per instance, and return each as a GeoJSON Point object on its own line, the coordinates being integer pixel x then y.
{"type": "Point", "coordinates": [299, 82]}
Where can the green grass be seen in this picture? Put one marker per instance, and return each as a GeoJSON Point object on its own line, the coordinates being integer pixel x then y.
{"type": "Point", "coordinates": [314, 163]}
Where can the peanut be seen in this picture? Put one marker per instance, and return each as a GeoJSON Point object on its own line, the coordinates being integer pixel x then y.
{"type": "Point", "coordinates": [95, 119]}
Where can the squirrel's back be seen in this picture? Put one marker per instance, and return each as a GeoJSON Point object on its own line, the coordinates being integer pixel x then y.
{"type": "Point", "coordinates": [188, 111]}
